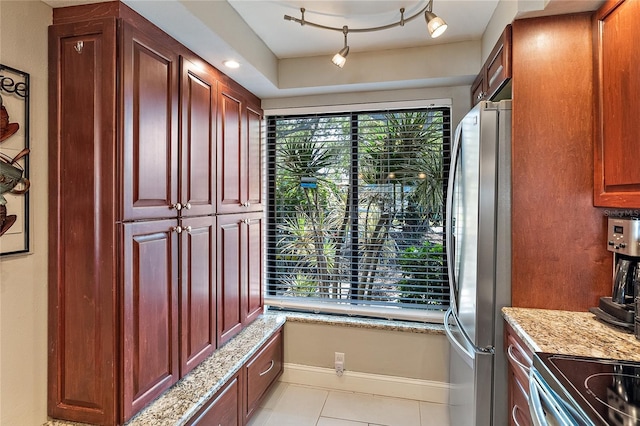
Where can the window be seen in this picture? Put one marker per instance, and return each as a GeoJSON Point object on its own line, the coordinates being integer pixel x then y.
{"type": "Point", "coordinates": [356, 212]}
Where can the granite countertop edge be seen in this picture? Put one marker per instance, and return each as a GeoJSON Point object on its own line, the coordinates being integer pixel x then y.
{"type": "Point", "coordinates": [359, 322]}
{"type": "Point", "coordinates": [571, 333]}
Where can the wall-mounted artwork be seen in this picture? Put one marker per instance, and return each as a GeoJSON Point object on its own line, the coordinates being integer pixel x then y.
{"type": "Point", "coordinates": [14, 161]}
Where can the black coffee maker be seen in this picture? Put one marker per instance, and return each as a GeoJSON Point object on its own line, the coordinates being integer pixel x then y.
{"type": "Point", "coordinates": [620, 309]}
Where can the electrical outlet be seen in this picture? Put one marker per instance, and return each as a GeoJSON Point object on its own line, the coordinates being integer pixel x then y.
{"type": "Point", "coordinates": [339, 363]}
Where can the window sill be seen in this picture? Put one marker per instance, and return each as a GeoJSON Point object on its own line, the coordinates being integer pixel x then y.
{"type": "Point", "coordinates": [368, 323]}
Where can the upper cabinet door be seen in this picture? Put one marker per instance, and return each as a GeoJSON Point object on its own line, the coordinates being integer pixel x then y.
{"type": "Point", "coordinates": [231, 159]}
{"type": "Point", "coordinates": [616, 171]}
{"type": "Point", "coordinates": [198, 101]}
{"type": "Point", "coordinates": [239, 153]}
{"type": "Point", "coordinates": [253, 183]}
{"type": "Point", "coordinates": [150, 125]}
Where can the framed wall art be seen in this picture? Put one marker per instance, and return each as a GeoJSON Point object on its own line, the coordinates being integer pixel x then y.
{"type": "Point", "coordinates": [14, 161]}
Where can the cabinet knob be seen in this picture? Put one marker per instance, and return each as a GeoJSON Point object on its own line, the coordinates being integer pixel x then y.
{"type": "Point", "coordinates": [188, 228]}
{"type": "Point", "coordinates": [177, 206]}
{"type": "Point", "coordinates": [177, 229]}
{"type": "Point", "coordinates": [480, 96]}
{"type": "Point", "coordinates": [247, 204]}
{"type": "Point", "coordinates": [187, 206]}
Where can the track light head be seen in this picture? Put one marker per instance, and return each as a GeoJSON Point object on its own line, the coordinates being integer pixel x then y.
{"type": "Point", "coordinates": [340, 58]}
{"type": "Point", "coordinates": [435, 24]}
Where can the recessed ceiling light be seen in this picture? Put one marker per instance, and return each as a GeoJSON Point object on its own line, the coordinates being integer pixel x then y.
{"type": "Point", "coordinates": [231, 64]}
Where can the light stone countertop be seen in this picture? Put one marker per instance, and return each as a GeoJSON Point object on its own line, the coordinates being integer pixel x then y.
{"type": "Point", "coordinates": [369, 323]}
{"type": "Point", "coordinates": [571, 333]}
{"type": "Point", "coordinates": [178, 404]}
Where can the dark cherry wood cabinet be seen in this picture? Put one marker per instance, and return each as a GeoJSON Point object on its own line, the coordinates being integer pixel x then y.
{"type": "Point", "coordinates": [83, 232]}
{"type": "Point", "coordinates": [132, 272]}
{"type": "Point", "coordinates": [224, 408]}
{"type": "Point", "coordinates": [198, 118]}
{"type": "Point", "coordinates": [617, 136]}
{"type": "Point", "coordinates": [519, 360]}
{"type": "Point", "coordinates": [495, 72]}
{"type": "Point", "coordinates": [239, 151]}
{"type": "Point", "coordinates": [236, 402]}
{"type": "Point", "coordinates": [240, 297]}
{"type": "Point", "coordinates": [150, 309]}
{"type": "Point", "coordinates": [149, 111]}
{"type": "Point", "coordinates": [197, 291]}
{"type": "Point", "coordinates": [261, 371]}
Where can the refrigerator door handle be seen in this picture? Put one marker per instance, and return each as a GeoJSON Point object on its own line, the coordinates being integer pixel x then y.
{"type": "Point", "coordinates": [464, 353]}
{"type": "Point", "coordinates": [449, 231]}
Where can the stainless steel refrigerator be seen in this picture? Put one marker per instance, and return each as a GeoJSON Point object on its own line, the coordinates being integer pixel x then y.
{"type": "Point", "coordinates": [479, 261]}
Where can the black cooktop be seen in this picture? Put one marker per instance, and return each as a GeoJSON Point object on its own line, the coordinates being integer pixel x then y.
{"type": "Point", "coordinates": [607, 390]}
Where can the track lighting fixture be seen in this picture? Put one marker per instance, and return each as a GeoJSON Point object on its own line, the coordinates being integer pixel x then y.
{"type": "Point", "coordinates": [340, 58]}
{"type": "Point", "coordinates": [435, 25]}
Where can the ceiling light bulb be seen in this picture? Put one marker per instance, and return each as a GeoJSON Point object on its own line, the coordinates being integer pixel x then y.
{"type": "Point", "coordinates": [231, 64]}
{"type": "Point", "coordinates": [435, 24]}
{"type": "Point", "coordinates": [340, 58]}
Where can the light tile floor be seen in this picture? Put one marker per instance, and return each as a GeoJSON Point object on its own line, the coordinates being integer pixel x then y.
{"type": "Point", "coordinates": [296, 405]}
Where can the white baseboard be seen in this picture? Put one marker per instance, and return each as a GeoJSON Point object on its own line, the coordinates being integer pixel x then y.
{"type": "Point", "coordinates": [377, 384]}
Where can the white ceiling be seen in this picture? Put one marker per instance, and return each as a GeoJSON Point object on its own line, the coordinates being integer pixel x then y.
{"type": "Point", "coordinates": [467, 20]}
{"type": "Point", "coordinates": [255, 33]}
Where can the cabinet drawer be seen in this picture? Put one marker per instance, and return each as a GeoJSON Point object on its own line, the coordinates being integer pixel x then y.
{"type": "Point", "coordinates": [262, 370]}
{"type": "Point", "coordinates": [223, 409]}
{"type": "Point", "coordinates": [520, 360]}
{"type": "Point", "coordinates": [519, 411]}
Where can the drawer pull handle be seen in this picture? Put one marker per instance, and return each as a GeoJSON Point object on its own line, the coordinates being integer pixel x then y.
{"type": "Point", "coordinates": [268, 369]}
{"type": "Point", "coordinates": [512, 357]}
{"type": "Point", "coordinates": [513, 415]}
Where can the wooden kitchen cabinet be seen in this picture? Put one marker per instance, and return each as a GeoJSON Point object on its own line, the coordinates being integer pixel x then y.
{"type": "Point", "coordinates": [224, 408]}
{"type": "Point", "coordinates": [150, 66]}
{"type": "Point", "coordinates": [261, 371]}
{"type": "Point", "coordinates": [132, 271]}
{"type": "Point", "coordinates": [198, 119]}
{"type": "Point", "coordinates": [519, 360]}
{"type": "Point", "coordinates": [239, 174]}
{"type": "Point", "coordinates": [113, 136]}
{"type": "Point", "coordinates": [617, 135]}
{"type": "Point", "coordinates": [150, 308]}
{"type": "Point", "coordinates": [235, 403]}
{"type": "Point", "coordinates": [495, 72]}
{"type": "Point", "coordinates": [197, 291]}
{"type": "Point", "coordinates": [240, 297]}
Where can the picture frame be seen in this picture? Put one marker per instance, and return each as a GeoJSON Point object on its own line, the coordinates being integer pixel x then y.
{"type": "Point", "coordinates": [14, 153]}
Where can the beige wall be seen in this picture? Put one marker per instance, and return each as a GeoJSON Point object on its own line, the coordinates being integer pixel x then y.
{"type": "Point", "coordinates": [23, 279]}
{"type": "Point", "coordinates": [391, 353]}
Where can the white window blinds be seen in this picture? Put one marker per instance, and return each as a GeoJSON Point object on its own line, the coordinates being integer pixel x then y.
{"type": "Point", "coordinates": [356, 210]}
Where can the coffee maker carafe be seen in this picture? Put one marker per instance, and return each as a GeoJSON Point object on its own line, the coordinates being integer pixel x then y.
{"type": "Point", "coordinates": [623, 240]}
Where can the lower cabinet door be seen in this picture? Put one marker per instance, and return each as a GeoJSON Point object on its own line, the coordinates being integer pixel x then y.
{"type": "Point", "coordinates": [198, 291]}
{"type": "Point", "coordinates": [262, 370]}
{"type": "Point", "coordinates": [230, 276]}
{"type": "Point", "coordinates": [150, 312]}
{"type": "Point", "coordinates": [224, 409]}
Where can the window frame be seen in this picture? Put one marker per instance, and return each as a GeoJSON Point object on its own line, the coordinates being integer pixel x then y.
{"type": "Point", "coordinates": [312, 306]}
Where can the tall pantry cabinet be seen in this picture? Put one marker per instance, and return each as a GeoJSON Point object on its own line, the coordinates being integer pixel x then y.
{"type": "Point", "coordinates": [240, 229]}
{"type": "Point", "coordinates": [133, 292]}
